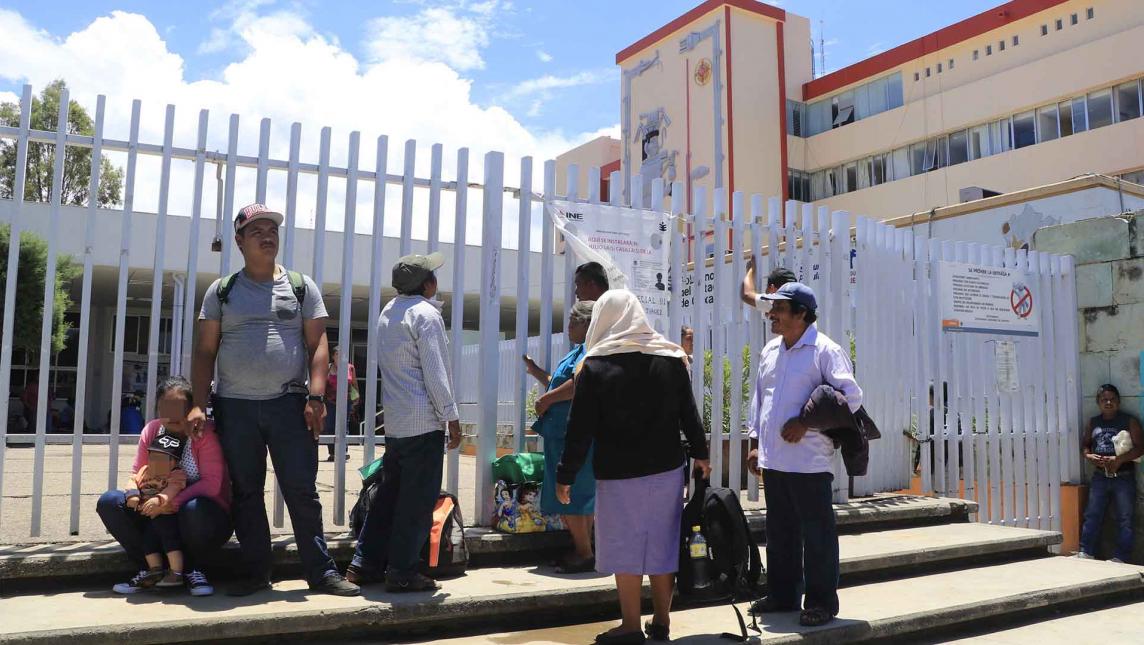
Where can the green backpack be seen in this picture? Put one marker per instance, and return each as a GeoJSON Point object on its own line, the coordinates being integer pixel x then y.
{"type": "Point", "coordinates": [297, 283]}
{"type": "Point", "coordinates": [520, 468]}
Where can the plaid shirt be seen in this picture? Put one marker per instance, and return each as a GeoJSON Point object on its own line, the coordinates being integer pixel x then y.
{"type": "Point", "coordinates": [412, 349]}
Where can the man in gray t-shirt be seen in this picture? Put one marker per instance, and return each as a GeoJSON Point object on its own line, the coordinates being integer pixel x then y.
{"type": "Point", "coordinates": [265, 328]}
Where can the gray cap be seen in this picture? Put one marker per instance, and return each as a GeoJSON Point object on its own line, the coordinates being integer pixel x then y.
{"type": "Point", "coordinates": [796, 292]}
{"type": "Point", "coordinates": [411, 271]}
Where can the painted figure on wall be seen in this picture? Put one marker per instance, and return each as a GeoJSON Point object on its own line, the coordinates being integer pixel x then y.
{"type": "Point", "coordinates": [655, 160]}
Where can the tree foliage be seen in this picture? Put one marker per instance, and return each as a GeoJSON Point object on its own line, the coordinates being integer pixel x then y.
{"type": "Point", "coordinates": [41, 156]}
{"type": "Point", "coordinates": [30, 291]}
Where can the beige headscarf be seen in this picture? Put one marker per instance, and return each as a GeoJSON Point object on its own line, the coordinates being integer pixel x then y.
{"type": "Point", "coordinates": [620, 326]}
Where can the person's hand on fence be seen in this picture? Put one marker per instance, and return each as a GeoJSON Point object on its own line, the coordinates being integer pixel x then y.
{"type": "Point", "coordinates": [315, 413]}
{"type": "Point", "coordinates": [454, 435]}
{"type": "Point", "coordinates": [794, 430]}
{"type": "Point", "coordinates": [564, 493]}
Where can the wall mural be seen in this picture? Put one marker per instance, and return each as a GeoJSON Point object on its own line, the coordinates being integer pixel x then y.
{"type": "Point", "coordinates": [1019, 228]}
{"type": "Point", "coordinates": [655, 160]}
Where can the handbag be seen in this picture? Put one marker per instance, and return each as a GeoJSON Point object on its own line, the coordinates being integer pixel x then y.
{"type": "Point", "coordinates": [520, 468]}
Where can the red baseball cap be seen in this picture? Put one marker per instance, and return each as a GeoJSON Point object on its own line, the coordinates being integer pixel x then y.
{"type": "Point", "coordinates": [254, 212]}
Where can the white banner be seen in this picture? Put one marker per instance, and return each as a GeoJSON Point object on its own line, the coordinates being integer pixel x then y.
{"type": "Point", "coordinates": [631, 244]}
{"type": "Point", "coordinates": [988, 300]}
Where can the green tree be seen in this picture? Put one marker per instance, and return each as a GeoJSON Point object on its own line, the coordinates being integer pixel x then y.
{"type": "Point", "coordinates": [30, 291]}
{"type": "Point", "coordinates": [41, 156]}
{"type": "Point", "coordinates": [744, 383]}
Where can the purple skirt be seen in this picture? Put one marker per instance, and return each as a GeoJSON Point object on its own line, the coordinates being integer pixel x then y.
{"type": "Point", "coordinates": [637, 524]}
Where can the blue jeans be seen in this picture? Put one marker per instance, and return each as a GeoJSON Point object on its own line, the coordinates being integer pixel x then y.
{"type": "Point", "coordinates": [1122, 491]}
{"type": "Point", "coordinates": [397, 525]}
{"type": "Point", "coordinates": [246, 430]}
{"type": "Point", "coordinates": [201, 525]}
{"type": "Point", "coordinates": [802, 540]}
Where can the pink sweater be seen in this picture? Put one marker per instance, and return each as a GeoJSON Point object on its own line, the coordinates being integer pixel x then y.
{"type": "Point", "coordinates": [213, 483]}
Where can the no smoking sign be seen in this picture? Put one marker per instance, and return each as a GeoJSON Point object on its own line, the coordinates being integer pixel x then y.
{"type": "Point", "coordinates": [1021, 300]}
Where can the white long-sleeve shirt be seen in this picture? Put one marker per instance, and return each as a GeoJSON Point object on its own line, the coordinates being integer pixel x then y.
{"type": "Point", "coordinates": [785, 381]}
{"type": "Point", "coordinates": [416, 388]}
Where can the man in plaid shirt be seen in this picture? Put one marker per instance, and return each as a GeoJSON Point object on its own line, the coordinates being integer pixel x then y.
{"type": "Point", "coordinates": [419, 405]}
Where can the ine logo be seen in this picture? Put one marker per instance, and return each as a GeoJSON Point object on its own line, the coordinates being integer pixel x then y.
{"type": "Point", "coordinates": [579, 217]}
{"type": "Point", "coordinates": [663, 226]}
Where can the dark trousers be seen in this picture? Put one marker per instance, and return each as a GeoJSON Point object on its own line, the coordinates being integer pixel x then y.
{"type": "Point", "coordinates": [1122, 492]}
{"type": "Point", "coordinates": [331, 423]}
{"type": "Point", "coordinates": [246, 430]}
{"type": "Point", "coordinates": [201, 525]}
{"type": "Point", "coordinates": [397, 525]}
{"type": "Point", "coordinates": [802, 540]}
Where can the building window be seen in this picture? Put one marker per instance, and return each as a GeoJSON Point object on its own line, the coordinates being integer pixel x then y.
{"type": "Point", "coordinates": [1099, 109]}
{"type": "Point", "coordinates": [979, 142]}
{"type": "Point", "coordinates": [1088, 13]}
{"type": "Point", "coordinates": [1128, 101]}
{"type": "Point", "coordinates": [1044, 30]}
{"type": "Point", "coordinates": [1066, 117]}
{"type": "Point", "coordinates": [976, 54]}
{"type": "Point", "coordinates": [843, 109]}
{"type": "Point", "coordinates": [917, 77]}
{"type": "Point", "coordinates": [1001, 46]}
{"type": "Point", "coordinates": [989, 50]}
{"type": "Point", "coordinates": [1047, 126]}
{"type": "Point", "coordinates": [958, 148]}
{"type": "Point", "coordinates": [1024, 130]}
{"type": "Point", "coordinates": [1060, 24]}
{"type": "Point", "coordinates": [895, 98]}
{"type": "Point", "coordinates": [939, 68]}
{"type": "Point", "coordinates": [1073, 19]}
{"type": "Point", "coordinates": [1001, 135]}
{"type": "Point", "coordinates": [1079, 114]}
{"type": "Point", "coordinates": [927, 72]}
{"type": "Point", "coordinates": [951, 63]}
{"type": "Point", "coordinates": [1137, 176]}
{"type": "Point", "coordinates": [1016, 41]}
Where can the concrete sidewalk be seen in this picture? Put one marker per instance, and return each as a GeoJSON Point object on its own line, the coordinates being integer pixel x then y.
{"type": "Point", "coordinates": [477, 598]}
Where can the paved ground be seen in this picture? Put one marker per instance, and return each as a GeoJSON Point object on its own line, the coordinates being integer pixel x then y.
{"type": "Point", "coordinates": [1112, 626]}
{"type": "Point", "coordinates": [15, 517]}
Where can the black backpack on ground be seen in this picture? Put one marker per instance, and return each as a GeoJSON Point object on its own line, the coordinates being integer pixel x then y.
{"type": "Point", "coordinates": [445, 554]}
{"type": "Point", "coordinates": [736, 565]}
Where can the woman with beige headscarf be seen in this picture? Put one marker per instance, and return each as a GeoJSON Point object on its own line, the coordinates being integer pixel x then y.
{"type": "Point", "coordinates": [632, 400]}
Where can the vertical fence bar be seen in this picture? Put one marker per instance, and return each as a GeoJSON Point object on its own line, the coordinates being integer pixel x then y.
{"type": "Point", "coordinates": [154, 344]}
{"type": "Point", "coordinates": [699, 319]}
{"type": "Point", "coordinates": [675, 255]}
{"type": "Point", "coordinates": [292, 195]}
{"type": "Point", "coordinates": [573, 194]}
{"type": "Point", "coordinates": [718, 332]}
{"type": "Point", "coordinates": [523, 246]}
{"type": "Point", "coordinates": [457, 311]}
{"type": "Point", "coordinates": [490, 291]}
{"type": "Point", "coordinates": [1052, 480]}
{"type": "Point", "coordinates": [1070, 346]}
{"type": "Point", "coordinates": [84, 319]}
{"type": "Point", "coordinates": [121, 295]}
{"type": "Point", "coordinates": [839, 309]}
{"type": "Point", "coordinates": [546, 265]}
{"type": "Point", "coordinates": [376, 279]}
{"type": "Point", "coordinates": [189, 295]}
{"type": "Point", "coordinates": [758, 329]}
{"type": "Point", "coordinates": [594, 195]}
{"type": "Point", "coordinates": [228, 193]}
{"type": "Point", "coordinates": [434, 198]}
{"type": "Point", "coordinates": [407, 179]}
{"type": "Point", "coordinates": [47, 326]}
{"type": "Point", "coordinates": [730, 290]}
{"type": "Point", "coordinates": [345, 330]}
{"type": "Point", "coordinates": [927, 328]}
{"type": "Point", "coordinates": [19, 181]}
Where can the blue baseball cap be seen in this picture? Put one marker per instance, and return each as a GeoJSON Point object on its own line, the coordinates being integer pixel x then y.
{"type": "Point", "coordinates": [796, 292]}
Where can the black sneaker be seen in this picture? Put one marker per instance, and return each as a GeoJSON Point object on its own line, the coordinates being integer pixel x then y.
{"type": "Point", "coordinates": [407, 583]}
{"type": "Point", "coordinates": [247, 586]}
{"type": "Point", "coordinates": [197, 583]}
{"type": "Point", "coordinates": [142, 581]}
{"type": "Point", "coordinates": [334, 584]}
{"type": "Point", "coordinates": [768, 605]}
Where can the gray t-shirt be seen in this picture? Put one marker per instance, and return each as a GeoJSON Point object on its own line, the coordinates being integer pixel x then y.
{"type": "Point", "coordinates": [262, 354]}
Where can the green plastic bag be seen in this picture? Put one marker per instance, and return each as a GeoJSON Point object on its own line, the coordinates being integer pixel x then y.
{"type": "Point", "coordinates": [369, 470]}
{"type": "Point", "coordinates": [520, 468]}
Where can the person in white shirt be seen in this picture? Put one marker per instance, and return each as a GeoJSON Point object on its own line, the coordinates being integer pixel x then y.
{"type": "Point", "coordinates": [794, 460]}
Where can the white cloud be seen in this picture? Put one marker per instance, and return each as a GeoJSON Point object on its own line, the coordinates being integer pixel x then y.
{"type": "Point", "coordinates": [435, 34]}
{"type": "Point", "coordinates": [549, 82]}
{"type": "Point", "coordinates": [9, 97]}
{"type": "Point", "coordinates": [286, 72]}
{"type": "Point", "coordinates": [544, 56]}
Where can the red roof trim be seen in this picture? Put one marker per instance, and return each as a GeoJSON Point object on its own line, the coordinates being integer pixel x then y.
{"type": "Point", "coordinates": [958, 32]}
{"type": "Point", "coordinates": [706, 7]}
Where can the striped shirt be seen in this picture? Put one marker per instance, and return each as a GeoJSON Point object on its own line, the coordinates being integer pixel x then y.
{"type": "Point", "coordinates": [412, 349]}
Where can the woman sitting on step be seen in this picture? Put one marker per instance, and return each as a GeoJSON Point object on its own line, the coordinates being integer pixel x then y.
{"type": "Point", "coordinates": [201, 509]}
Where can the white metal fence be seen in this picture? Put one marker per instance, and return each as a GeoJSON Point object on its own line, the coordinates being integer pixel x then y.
{"type": "Point", "coordinates": [1015, 449]}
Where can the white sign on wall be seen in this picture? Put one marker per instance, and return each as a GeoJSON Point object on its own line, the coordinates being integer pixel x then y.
{"type": "Point", "coordinates": [631, 244]}
{"type": "Point", "coordinates": [988, 300]}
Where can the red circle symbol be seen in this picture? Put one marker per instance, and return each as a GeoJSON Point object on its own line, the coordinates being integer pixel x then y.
{"type": "Point", "coordinates": [1021, 300]}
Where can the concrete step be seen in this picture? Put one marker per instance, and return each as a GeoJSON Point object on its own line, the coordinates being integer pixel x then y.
{"type": "Point", "coordinates": [35, 564]}
{"type": "Point", "coordinates": [920, 609]}
{"type": "Point", "coordinates": [484, 596]}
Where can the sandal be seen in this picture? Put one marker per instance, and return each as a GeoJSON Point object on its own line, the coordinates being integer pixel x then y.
{"type": "Point", "coordinates": [769, 605]}
{"type": "Point", "coordinates": [814, 617]}
{"type": "Point", "coordinates": [587, 565]}
{"type": "Point", "coordinates": [657, 632]}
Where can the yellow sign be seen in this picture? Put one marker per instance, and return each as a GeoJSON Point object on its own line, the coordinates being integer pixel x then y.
{"type": "Point", "coordinates": [703, 72]}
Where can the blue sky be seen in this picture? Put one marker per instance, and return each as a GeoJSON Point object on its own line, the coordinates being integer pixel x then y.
{"type": "Point", "coordinates": [549, 64]}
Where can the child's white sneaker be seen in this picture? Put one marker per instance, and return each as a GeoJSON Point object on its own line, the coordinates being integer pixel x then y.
{"type": "Point", "coordinates": [142, 581]}
{"type": "Point", "coordinates": [1081, 555]}
{"type": "Point", "coordinates": [1117, 560]}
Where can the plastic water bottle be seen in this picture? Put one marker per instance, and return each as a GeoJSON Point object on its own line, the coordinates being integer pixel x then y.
{"type": "Point", "coordinates": [700, 562]}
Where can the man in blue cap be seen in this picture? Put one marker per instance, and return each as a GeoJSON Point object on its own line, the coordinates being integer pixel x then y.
{"type": "Point", "coordinates": [794, 460]}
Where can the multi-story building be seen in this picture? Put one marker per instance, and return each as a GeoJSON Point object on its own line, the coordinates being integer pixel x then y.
{"type": "Point", "coordinates": [1029, 93]}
